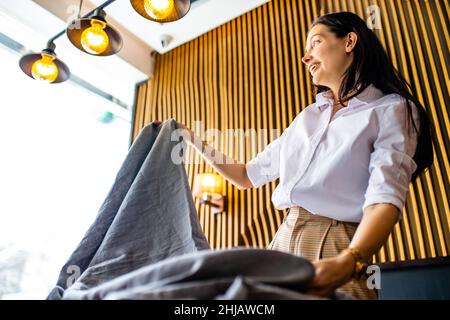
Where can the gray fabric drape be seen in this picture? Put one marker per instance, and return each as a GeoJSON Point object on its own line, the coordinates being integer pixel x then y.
{"type": "Point", "coordinates": [147, 243]}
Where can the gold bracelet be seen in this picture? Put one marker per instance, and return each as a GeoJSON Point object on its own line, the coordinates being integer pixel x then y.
{"type": "Point", "coordinates": [360, 265]}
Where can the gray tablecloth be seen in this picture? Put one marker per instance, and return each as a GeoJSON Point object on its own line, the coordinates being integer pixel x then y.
{"type": "Point", "coordinates": [147, 243]}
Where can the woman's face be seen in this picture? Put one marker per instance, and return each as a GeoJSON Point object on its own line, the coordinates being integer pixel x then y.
{"type": "Point", "coordinates": [327, 57]}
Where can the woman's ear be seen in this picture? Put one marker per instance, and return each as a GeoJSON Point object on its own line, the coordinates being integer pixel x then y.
{"type": "Point", "coordinates": [350, 42]}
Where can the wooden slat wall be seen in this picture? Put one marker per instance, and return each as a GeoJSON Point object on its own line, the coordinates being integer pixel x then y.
{"type": "Point", "coordinates": [247, 74]}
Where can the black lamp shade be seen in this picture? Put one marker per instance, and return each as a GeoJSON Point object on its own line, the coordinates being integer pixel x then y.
{"type": "Point", "coordinates": [74, 35]}
{"type": "Point", "coordinates": [26, 63]}
{"type": "Point", "coordinates": [181, 8]}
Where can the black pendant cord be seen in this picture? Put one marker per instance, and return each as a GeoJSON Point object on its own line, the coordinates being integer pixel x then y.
{"type": "Point", "coordinates": [79, 10]}
{"type": "Point", "coordinates": [87, 15]}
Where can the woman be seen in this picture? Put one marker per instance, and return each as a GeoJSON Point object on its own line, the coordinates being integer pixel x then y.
{"type": "Point", "coordinates": [346, 161]}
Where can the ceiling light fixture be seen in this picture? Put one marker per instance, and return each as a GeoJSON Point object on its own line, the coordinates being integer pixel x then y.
{"type": "Point", "coordinates": [94, 35]}
{"type": "Point", "coordinates": [162, 10]}
{"type": "Point", "coordinates": [45, 66]}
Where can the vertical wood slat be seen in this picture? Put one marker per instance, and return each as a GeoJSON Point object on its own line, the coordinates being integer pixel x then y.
{"type": "Point", "coordinates": [268, 116]}
{"type": "Point", "coordinates": [247, 74]}
{"type": "Point", "coordinates": [413, 229]}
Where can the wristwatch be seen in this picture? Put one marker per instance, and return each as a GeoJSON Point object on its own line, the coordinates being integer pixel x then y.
{"type": "Point", "coordinates": [360, 266]}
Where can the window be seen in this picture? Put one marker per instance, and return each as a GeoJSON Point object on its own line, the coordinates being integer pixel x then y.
{"type": "Point", "coordinates": [60, 151]}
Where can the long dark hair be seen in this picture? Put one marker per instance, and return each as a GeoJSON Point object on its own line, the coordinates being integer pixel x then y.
{"type": "Point", "coordinates": [371, 65]}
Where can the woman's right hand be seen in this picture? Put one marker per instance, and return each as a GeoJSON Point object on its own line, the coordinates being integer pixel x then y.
{"type": "Point", "coordinates": [231, 169]}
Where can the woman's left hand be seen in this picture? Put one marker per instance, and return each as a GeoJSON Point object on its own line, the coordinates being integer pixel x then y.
{"type": "Point", "coordinates": [331, 273]}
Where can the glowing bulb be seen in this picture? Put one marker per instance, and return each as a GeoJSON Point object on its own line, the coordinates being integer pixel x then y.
{"type": "Point", "coordinates": [159, 9]}
{"type": "Point", "coordinates": [94, 39]}
{"type": "Point", "coordinates": [209, 181]}
{"type": "Point", "coordinates": [45, 69]}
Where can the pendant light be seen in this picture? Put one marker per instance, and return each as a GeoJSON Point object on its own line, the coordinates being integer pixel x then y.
{"type": "Point", "coordinates": [94, 35]}
{"type": "Point", "coordinates": [45, 66]}
{"type": "Point", "coordinates": [162, 10]}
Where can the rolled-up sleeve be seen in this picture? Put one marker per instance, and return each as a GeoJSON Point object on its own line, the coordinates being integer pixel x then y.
{"type": "Point", "coordinates": [391, 162]}
{"type": "Point", "coordinates": [265, 167]}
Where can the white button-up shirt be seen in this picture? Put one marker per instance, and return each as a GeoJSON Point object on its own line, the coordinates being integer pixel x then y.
{"type": "Point", "coordinates": [337, 168]}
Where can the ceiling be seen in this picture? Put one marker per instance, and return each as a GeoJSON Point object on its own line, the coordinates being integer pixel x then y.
{"type": "Point", "coordinates": [118, 74]}
{"type": "Point", "coordinates": [203, 16]}
{"type": "Point", "coordinates": [141, 36]}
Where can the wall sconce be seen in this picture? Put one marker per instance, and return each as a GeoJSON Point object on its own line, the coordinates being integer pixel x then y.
{"type": "Point", "coordinates": [162, 10]}
{"type": "Point", "coordinates": [208, 188]}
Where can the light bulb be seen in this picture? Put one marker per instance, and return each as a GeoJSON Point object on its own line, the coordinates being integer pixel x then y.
{"type": "Point", "coordinates": [45, 69]}
{"type": "Point", "coordinates": [208, 181]}
{"type": "Point", "coordinates": [94, 39]}
{"type": "Point", "coordinates": [159, 9]}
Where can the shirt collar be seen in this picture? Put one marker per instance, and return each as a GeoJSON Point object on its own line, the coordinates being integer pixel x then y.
{"type": "Point", "coordinates": [368, 95]}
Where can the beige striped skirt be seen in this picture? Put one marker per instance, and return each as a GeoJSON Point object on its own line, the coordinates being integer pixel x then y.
{"type": "Point", "coordinates": [315, 237]}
